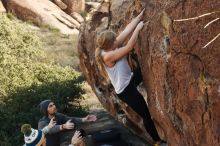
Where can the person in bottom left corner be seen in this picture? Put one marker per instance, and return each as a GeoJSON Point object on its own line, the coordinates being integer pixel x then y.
{"type": "Point", "coordinates": [56, 135]}
{"type": "Point", "coordinates": [34, 137]}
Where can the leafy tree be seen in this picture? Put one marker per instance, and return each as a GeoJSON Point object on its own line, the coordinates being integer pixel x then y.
{"type": "Point", "coordinates": [28, 77]}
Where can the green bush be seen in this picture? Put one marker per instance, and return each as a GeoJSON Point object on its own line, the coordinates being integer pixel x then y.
{"type": "Point", "coordinates": [28, 77]}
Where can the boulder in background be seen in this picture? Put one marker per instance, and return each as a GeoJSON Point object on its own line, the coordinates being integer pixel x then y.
{"type": "Point", "coordinates": [42, 12]}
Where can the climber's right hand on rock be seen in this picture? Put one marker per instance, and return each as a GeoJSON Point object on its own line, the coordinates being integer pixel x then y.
{"type": "Point", "coordinates": [140, 25]}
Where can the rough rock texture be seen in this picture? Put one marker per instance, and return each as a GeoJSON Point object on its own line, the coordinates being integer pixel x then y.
{"type": "Point", "coordinates": [74, 6]}
{"type": "Point", "coordinates": [60, 4]}
{"type": "Point", "coordinates": [2, 8]}
{"type": "Point", "coordinates": [89, 6]}
{"type": "Point", "coordinates": [105, 122]}
{"type": "Point", "coordinates": [77, 17]}
{"type": "Point", "coordinates": [181, 74]}
{"type": "Point", "coordinates": [70, 6]}
{"type": "Point", "coordinates": [42, 12]}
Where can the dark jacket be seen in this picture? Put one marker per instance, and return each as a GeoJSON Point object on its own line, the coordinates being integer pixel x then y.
{"type": "Point", "coordinates": [53, 137]}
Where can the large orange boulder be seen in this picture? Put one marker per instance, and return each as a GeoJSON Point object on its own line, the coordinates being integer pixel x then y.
{"type": "Point", "coordinates": [179, 54]}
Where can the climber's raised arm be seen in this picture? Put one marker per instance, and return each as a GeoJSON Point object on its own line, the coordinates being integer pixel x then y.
{"type": "Point", "coordinates": [128, 29]}
{"type": "Point", "coordinates": [112, 56]}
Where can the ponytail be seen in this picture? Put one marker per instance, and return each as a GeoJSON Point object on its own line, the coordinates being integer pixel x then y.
{"type": "Point", "coordinates": [100, 63]}
{"type": "Point", "coordinates": [104, 41]}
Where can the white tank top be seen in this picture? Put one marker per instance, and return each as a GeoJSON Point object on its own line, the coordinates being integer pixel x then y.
{"type": "Point", "coordinates": [120, 74]}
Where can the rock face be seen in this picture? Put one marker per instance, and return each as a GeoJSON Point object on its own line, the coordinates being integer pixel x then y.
{"type": "Point", "coordinates": [42, 12]}
{"type": "Point", "coordinates": [180, 64]}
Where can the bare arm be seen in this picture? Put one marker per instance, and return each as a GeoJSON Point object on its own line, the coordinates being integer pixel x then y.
{"type": "Point", "coordinates": [114, 55]}
{"type": "Point", "coordinates": [128, 29]}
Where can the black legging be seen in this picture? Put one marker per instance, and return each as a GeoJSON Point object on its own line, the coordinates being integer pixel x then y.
{"type": "Point", "coordinates": [136, 101]}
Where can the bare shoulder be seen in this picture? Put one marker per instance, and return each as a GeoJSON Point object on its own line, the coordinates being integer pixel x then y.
{"type": "Point", "coordinates": [108, 58]}
{"type": "Point", "coordinates": [107, 55]}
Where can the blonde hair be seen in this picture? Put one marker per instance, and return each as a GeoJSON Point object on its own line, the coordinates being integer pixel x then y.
{"type": "Point", "coordinates": [104, 41]}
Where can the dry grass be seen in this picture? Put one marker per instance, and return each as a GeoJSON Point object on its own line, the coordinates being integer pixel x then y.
{"type": "Point", "coordinates": [63, 50]}
{"type": "Point", "coordinates": [90, 100]}
{"type": "Point", "coordinates": [59, 47]}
